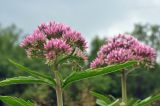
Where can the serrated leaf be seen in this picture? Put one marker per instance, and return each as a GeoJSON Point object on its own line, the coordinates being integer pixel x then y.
{"type": "Point", "coordinates": [13, 101]}
{"type": "Point", "coordinates": [94, 72]}
{"type": "Point", "coordinates": [101, 97]}
{"type": "Point", "coordinates": [33, 73]}
{"type": "Point", "coordinates": [25, 80]}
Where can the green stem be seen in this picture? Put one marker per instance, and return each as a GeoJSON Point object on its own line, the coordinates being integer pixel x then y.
{"type": "Point", "coordinates": [124, 88]}
{"type": "Point", "coordinates": [58, 89]}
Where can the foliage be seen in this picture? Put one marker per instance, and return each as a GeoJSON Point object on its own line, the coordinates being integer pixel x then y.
{"type": "Point", "coordinates": [13, 101]}
{"type": "Point", "coordinates": [94, 72]}
{"type": "Point", "coordinates": [9, 38]}
{"type": "Point", "coordinates": [41, 79]}
{"type": "Point", "coordinates": [103, 100]}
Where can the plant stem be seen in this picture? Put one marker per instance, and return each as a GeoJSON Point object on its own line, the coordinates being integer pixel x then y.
{"type": "Point", "coordinates": [58, 89]}
{"type": "Point", "coordinates": [124, 88]}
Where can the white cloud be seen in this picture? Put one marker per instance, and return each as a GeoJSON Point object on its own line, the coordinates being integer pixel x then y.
{"type": "Point", "coordinates": [121, 26]}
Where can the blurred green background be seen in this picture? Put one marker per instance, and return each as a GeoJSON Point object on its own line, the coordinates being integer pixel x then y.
{"type": "Point", "coordinates": [141, 83]}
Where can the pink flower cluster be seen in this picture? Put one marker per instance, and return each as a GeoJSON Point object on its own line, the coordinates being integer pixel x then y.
{"type": "Point", "coordinates": [53, 40]}
{"type": "Point", "coordinates": [30, 40]}
{"type": "Point", "coordinates": [58, 30]}
{"type": "Point", "coordinates": [123, 48]}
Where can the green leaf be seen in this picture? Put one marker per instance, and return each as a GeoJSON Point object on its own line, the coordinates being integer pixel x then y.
{"type": "Point", "coordinates": [147, 100]}
{"type": "Point", "coordinates": [113, 103]}
{"type": "Point", "coordinates": [13, 101]}
{"type": "Point", "coordinates": [33, 73]}
{"type": "Point", "coordinates": [94, 72]}
{"type": "Point", "coordinates": [101, 102]}
{"type": "Point", "coordinates": [104, 100]}
{"type": "Point", "coordinates": [131, 101]}
{"type": "Point", "coordinates": [101, 97]}
{"type": "Point", "coordinates": [25, 80]}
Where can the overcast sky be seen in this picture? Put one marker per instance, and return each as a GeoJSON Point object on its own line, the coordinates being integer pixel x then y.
{"type": "Point", "coordinates": [90, 17]}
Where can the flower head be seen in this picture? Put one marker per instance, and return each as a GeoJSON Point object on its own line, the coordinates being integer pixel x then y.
{"type": "Point", "coordinates": [123, 48]}
{"type": "Point", "coordinates": [53, 40]}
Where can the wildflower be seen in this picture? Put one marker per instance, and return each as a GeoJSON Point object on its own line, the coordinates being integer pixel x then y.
{"type": "Point", "coordinates": [123, 48]}
{"type": "Point", "coordinates": [53, 40]}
